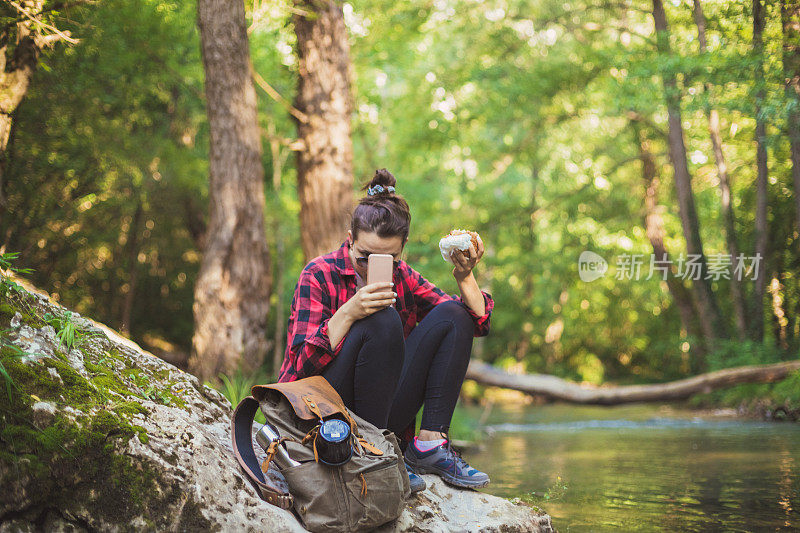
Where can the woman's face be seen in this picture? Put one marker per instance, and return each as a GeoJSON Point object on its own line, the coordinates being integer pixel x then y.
{"type": "Point", "coordinates": [371, 243]}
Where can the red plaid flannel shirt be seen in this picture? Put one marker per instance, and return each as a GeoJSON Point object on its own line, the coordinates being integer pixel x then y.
{"type": "Point", "coordinates": [325, 284]}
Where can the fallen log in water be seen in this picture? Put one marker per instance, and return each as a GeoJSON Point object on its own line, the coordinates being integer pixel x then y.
{"type": "Point", "coordinates": [559, 389]}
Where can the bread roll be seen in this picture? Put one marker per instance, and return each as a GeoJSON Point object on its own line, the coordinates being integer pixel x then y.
{"type": "Point", "coordinates": [458, 239]}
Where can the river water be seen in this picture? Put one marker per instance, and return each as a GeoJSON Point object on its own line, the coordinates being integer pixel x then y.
{"type": "Point", "coordinates": [644, 468]}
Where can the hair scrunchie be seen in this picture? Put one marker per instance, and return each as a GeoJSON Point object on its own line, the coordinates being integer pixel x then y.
{"type": "Point", "coordinates": [377, 189]}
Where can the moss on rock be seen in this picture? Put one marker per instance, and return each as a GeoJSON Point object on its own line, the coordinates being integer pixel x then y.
{"type": "Point", "coordinates": [13, 303]}
{"type": "Point", "coordinates": [7, 312]}
{"type": "Point", "coordinates": [77, 462]}
{"type": "Point", "coordinates": [73, 460]}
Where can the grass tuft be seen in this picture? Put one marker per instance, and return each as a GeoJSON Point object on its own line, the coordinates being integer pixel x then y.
{"type": "Point", "coordinates": [237, 386]}
{"type": "Point", "coordinates": [65, 328]}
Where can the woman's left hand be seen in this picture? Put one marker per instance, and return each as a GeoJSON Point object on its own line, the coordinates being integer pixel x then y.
{"type": "Point", "coordinates": [465, 264]}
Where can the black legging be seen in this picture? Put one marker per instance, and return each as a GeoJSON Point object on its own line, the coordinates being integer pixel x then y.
{"type": "Point", "coordinates": [385, 379]}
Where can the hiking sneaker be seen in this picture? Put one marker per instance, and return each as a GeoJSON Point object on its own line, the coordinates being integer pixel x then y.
{"type": "Point", "coordinates": [447, 463]}
{"type": "Point", "coordinates": [417, 483]}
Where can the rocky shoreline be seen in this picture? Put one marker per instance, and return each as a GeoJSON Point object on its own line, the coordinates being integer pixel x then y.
{"type": "Point", "coordinates": [756, 410]}
{"type": "Point", "coordinates": [99, 434]}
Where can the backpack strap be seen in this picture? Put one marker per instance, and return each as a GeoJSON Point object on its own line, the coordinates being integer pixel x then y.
{"type": "Point", "coordinates": [242, 437]}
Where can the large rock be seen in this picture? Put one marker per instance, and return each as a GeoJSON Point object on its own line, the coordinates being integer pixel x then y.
{"type": "Point", "coordinates": [105, 436]}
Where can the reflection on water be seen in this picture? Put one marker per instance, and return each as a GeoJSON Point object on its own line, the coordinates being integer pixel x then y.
{"type": "Point", "coordinates": [644, 469]}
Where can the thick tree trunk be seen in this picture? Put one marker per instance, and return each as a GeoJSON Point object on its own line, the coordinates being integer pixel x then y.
{"type": "Point", "coordinates": [710, 315]}
{"type": "Point", "coordinates": [558, 389]}
{"type": "Point", "coordinates": [790, 22]}
{"type": "Point", "coordinates": [232, 289]}
{"type": "Point", "coordinates": [654, 226]}
{"type": "Point", "coordinates": [736, 284]}
{"type": "Point", "coordinates": [757, 313]}
{"type": "Point", "coordinates": [325, 164]}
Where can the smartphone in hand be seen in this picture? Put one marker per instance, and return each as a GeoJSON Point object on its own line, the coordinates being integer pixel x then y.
{"type": "Point", "coordinates": [379, 268]}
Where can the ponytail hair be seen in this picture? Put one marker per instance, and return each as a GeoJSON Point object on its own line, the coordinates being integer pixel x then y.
{"type": "Point", "coordinates": [381, 211]}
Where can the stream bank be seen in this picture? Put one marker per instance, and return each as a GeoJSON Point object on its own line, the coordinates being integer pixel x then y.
{"type": "Point", "coordinates": [98, 434]}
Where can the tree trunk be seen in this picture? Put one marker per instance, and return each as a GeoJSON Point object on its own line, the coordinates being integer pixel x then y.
{"type": "Point", "coordinates": [17, 66]}
{"type": "Point", "coordinates": [15, 76]}
{"type": "Point", "coordinates": [777, 296]}
{"type": "Point", "coordinates": [232, 289]}
{"type": "Point", "coordinates": [325, 164]}
{"type": "Point", "coordinates": [790, 22]}
{"type": "Point", "coordinates": [558, 389]}
{"type": "Point", "coordinates": [654, 226]}
{"type": "Point", "coordinates": [710, 316]}
{"type": "Point", "coordinates": [757, 323]}
{"type": "Point", "coordinates": [737, 288]}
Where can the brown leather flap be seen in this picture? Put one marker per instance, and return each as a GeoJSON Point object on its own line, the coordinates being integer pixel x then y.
{"type": "Point", "coordinates": [306, 395]}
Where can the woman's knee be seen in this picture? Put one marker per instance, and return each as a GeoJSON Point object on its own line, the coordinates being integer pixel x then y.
{"type": "Point", "coordinates": [456, 312]}
{"type": "Point", "coordinates": [384, 323]}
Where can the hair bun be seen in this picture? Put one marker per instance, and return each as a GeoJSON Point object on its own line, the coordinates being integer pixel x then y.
{"type": "Point", "coordinates": [383, 183]}
{"type": "Point", "coordinates": [381, 211]}
{"type": "Point", "coordinates": [383, 177]}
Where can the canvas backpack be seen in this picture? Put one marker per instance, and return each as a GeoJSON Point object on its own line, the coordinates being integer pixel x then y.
{"type": "Point", "coordinates": [365, 492]}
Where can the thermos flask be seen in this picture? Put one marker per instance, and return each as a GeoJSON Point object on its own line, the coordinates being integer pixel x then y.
{"type": "Point", "coordinates": [333, 443]}
{"type": "Point", "coordinates": [269, 434]}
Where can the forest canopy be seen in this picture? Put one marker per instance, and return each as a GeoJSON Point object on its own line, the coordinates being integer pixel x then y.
{"type": "Point", "coordinates": [547, 126]}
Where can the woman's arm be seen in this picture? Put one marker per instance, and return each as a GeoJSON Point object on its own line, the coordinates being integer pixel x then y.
{"type": "Point", "coordinates": [308, 349]}
{"type": "Point", "coordinates": [471, 294]}
{"type": "Point", "coordinates": [365, 301]}
{"type": "Point", "coordinates": [427, 296]}
{"type": "Point", "coordinates": [339, 325]}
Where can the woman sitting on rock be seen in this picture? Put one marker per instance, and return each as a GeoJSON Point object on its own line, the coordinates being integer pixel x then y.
{"type": "Point", "coordinates": [390, 348]}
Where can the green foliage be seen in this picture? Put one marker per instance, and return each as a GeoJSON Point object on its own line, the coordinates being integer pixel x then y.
{"type": "Point", "coordinates": [151, 391]}
{"type": "Point", "coordinates": [728, 354]}
{"type": "Point", "coordinates": [781, 397]}
{"type": "Point", "coordinates": [65, 328]}
{"type": "Point", "coordinates": [556, 492]}
{"type": "Point", "coordinates": [108, 161]}
{"type": "Point", "coordinates": [510, 118]}
{"type": "Point", "coordinates": [773, 400]}
{"type": "Point", "coordinates": [463, 427]}
{"type": "Point", "coordinates": [237, 386]}
{"type": "Point", "coordinates": [513, 119]}
{"type": "Point", "coordinates": [8, 351]}
{"type": "Point", "coordinates": [6, 265]}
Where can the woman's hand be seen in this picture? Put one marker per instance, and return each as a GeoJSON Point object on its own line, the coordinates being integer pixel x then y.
{"type": "Point", "coordinates": [465, 264]}
{"type": "Point", "coordinates": [366, 301]}
{"type": "Point", "coordinates": [370, 299]}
